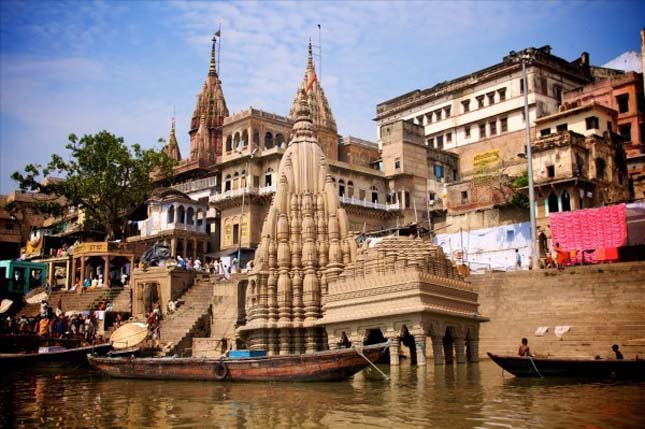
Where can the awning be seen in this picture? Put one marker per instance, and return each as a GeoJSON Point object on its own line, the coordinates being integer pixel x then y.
{"type": "Point", "coordinates": [229, 252]}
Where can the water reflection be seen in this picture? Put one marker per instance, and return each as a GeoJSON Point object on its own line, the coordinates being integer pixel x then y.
{"type": "Point", "coordinates": [448, 396]}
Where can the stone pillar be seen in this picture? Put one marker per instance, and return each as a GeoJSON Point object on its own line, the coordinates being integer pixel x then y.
{"type": "Point", "coordinates": [73, 276]}
{"type": "Point", "coordinates": [395, 348]}
{"type": "Point", "coordinates": [298, 341]}
{"type": "Point", "coordinates": [460, 349]}
{"type": "Point", "coordinates": [447, 350]}
{"type": "Point", "coordinates": [437, 349]}
{"type": "Point", "coordinates": [194, 249]}
{"type": "Point", "coordinates": [106, 271]}
{"type": "Point", "coordinates": [310, 340]}
{"type": "Point", "coordinates": [473, 350]}
{"type": "Point", "coordinates": [420, 345]}
{"type": "Point", "coordinates": [69, 276]}
{"type": "Point", "coordinates": [185, 248]}
{"type": "Point", "coordinates": [272, 342]}
{"type": "Point", "coordinates": [173, 247]}
{"type": "Point", "coordinates": [285, 345]}
{"type": "Point", "coordinates": [83, 275]}
{"type": "Point", "coordinates": [332, 341]}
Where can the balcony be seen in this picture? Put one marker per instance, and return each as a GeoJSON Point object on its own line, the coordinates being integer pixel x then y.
{"type": "Point", "coordinates": [196, 185]}
{"type": "Point", "coordinates": [369, 204]}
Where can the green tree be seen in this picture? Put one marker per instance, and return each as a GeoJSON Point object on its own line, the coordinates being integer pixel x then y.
{"type": "Point", "coordinates": [519, 199]}
{"type": "Point", "coordinates": [102, 177]}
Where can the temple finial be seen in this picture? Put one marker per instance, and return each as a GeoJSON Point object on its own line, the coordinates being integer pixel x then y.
{"type": "Point", "coordinates": [212, 71]}
{"type": "Point", "coordinates": [310, 58]}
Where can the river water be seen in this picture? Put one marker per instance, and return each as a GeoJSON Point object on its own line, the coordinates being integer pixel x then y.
{"type": "Point", "coordinates": [452, 397]}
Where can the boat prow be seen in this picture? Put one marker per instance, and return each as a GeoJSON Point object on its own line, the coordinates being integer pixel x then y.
{"type": "Point", "coordinates": [521, 366]}
{"type": "Point", "coordinates": [329, 365]}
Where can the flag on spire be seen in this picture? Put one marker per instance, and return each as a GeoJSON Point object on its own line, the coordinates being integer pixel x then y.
{"type": "Point", "coordinates": [312, 79]}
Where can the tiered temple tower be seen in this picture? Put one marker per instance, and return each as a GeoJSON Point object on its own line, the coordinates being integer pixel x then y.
{"type": "Point", "coordinates": [208, 117]}
{"type": "Point", "coordinates": [305, 244]}
{"type": "Point", "coordinates": [171, 149]}
{"type": "Point", "coordinates": [322, 117]}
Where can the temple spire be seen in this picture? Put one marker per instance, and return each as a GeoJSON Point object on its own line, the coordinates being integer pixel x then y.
{"type": "Point", "coordinates": [212, 70]}
{"type": "Point", "coordinates": [310, 58]}
{"type": "Point", "coordinates": [303, 129]}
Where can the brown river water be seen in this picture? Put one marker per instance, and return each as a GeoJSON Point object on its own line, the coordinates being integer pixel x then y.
{"type": "Point", "coordinates": [451, 397]}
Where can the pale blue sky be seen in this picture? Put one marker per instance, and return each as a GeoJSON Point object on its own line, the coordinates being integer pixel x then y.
{"type": "Point", "coordinates": [121, 66]}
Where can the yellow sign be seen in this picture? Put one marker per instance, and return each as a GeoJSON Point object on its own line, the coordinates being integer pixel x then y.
{"type": "Point", "coordinates": [486, 159]}
{"type": "Point", "coordinates": [245, 228]}
{"type": "Point", "coordinates": [228, 234]}
{"type": "Point", "coordinates": [96, 247]}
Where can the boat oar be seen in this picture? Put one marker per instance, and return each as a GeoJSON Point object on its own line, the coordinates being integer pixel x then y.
{"type": "Point", "coordinates": [535, 367]}
{"type": "Point", "coordinates": [360, 353]}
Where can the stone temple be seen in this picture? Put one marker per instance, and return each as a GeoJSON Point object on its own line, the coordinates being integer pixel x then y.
{"type": "Point", "coordinates": [311, 288]}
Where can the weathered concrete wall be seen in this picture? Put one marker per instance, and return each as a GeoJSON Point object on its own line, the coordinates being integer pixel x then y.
{"type": "Point", "coordinates": [604, 304]}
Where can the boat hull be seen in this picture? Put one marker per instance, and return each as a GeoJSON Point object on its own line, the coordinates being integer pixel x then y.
{"type": "Point", "coordinates": [69, 358]}
{"type": "Point", "coordinates": [562, 367]}
{"type": "Point", "coordinates": [321, 366]}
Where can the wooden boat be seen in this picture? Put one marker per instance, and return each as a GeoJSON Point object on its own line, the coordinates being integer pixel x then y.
{"type": "Point", "coordinates": [570, 367]}
{"type": "Point", "coordinates": [329, 365]}
{"type": "Point", "coordinates": [52, 357]}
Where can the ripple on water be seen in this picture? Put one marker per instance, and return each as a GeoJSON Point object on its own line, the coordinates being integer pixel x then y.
{"type": "Point", "coordinates": [453, 397]}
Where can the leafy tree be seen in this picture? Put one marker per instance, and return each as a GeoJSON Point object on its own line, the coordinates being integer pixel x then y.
{"type": "Point", "coordinates": [102, 177]}
{"type": "Point", "coordinates": [519, 199]}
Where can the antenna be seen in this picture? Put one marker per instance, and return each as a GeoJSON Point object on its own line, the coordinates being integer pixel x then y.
{"type": "Point", "coordinates": [319, 56]}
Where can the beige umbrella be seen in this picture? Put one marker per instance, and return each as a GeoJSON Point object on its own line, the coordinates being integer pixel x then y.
{"type": "Point", "coordinates": [129, 335]}
{"type": "Point", "coordinates": [5, 305]}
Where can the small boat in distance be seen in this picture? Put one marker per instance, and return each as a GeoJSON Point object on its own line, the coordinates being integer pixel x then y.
{"type": "Point", "coordinates": [52, 357]}
{"type": "Point", "coordinates": [521, 366]}
{"type": "Point", "coordinates": [331, 365]}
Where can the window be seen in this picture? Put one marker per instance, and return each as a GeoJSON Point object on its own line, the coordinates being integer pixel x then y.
{"type": "Point", "coordinates": [181, 215]}
{"type": "Point", "coordinates": [610, 127]}
{"type": "Point", "coordinates": [430, 142]}
{"type": "Point", "coordinates": [268, 140]}
{"type": "Point", "coordinates": [419, 120]}
{"type": "Point", "coordinates": [439, 142]}
{"type": "Point", "coordinates": [397, 163]}
{"type": "Point", "coordinates": [438, 172]}
{"type": "Point", "coordinates": [543, 85]}
{"type": "Point", "coordinates": [190, 216]}
{"type": "Point", "coordinates": [550, 171]}
{"type": "Point", "coordinates": [279, 140]}
{"type": "Point", "coordinates": [447, 110]}
{"type": "Point", "coordinates": [600, 168]}
{"type": "Point", "coordinates": [623, 103]}
{"type": "Point", "coordinates": [227, 183]}
{"type": "Point", "coordinates": [510, 235]}
{"type": "Point", "coordinates": [407, 200]}
{"type": "Point", "coordinates": [467, 130]}
{"type": "Point", "coordinates": [465, 105]}
{"type": "Point", "coordinates": [552, 203]}
{"type": "Point", "coordinates": [374, 195]}
{"type": "Point", "coordinates": [236, 233]}
{"type": "Point", "coordinates": [545, 132]}
{"type": "Point", "coordinates": [448, 137]}
{"type": "Point", "coordinates": [341, 188]}
{"type": "Point", "coordinates": [437, 115]}
{"type": "Point", "coordinates": [464, 197]}
{"type": "Point", "coordinates": [493, 127]}
{"type": "Point", "coordinates": [565, 198]}
{"type": "Point", "coordinates": [503, 124]}
{"type": "Point", "coordinates": [428, 118]}
{"type": "Point", "coordinates": [171, 214]}
{"type": "Point", "coordinates": [482, 131]}
{"type": "Point", "coordinates": [350, 189]}
{"type": "Point", "coordinates": [592, 123]}
{"type": "Point", "coordinates": [626, 132]}
{"type": "Point", "coordinates": [557, 93]}
{"type": "Point", "coordinates": [502, 94]}
{"type": "Point", "coordinates": [200, 217]}
{"type": "Point", "coordinates": [455, 175]}
{"type": "Point", "coordinates": [491, 98]}
{"type": "Point", "coordinates": [562, 127]}
{"type": "Point", "coordinates": [432, 196]}
{"type": "Point", "coordinates": [480, 101]}
{"type": "Point", "coordinates": [268, 177]}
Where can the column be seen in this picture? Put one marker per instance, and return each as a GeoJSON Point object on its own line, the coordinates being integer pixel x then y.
{"type": "Point", "coordinates": [184, 250]}
{"type": "Point", "coordinates": [473, 350]}
{"type": "Point", "coordinates": [69, 276]}
{"type": "Point", "coordinates": [437, 349]}
{"type": "Point", "coordinates": [460, 349]}
{"type": "Point", "coordinates": [173, 247]}
{"type": "Point", "coordinates": [332, 341]}
{"type": "Point", "coordinates": [106, 271]}
{"type": "Point", "coordinates": [420, 345]}
{"type": "Point", "coordinates": [285, 346]}
{"type": "Point", "coordinates": [83, 275]}
{"type": "Point", "coordinates": [395, 348]}
{"type": "Point", "coordinates": [73, 273]}
{"type": "Point", "coordinates": [194, 249]}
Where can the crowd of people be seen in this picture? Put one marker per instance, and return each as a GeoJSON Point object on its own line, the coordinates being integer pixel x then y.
{"type": "Point", "coordinates": [54, 324]}
{"type": "Point", "coordinates": [213, 266]}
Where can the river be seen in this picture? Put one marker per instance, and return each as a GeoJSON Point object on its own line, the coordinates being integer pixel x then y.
{"type": "Point", "coordinates": [452, 397]}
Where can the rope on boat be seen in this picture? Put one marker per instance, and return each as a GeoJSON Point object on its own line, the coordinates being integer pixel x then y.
{"type": "Point", "coordinates": [360, 353]}
{"type": "Point", "coordinates": [535, 367]}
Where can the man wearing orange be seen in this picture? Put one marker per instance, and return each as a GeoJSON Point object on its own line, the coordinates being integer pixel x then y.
{"type": "Point", "coordinates": [561, 256]}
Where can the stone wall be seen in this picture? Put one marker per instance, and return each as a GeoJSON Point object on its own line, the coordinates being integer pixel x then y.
{"type": "Point", "coordinates": [603, 304]}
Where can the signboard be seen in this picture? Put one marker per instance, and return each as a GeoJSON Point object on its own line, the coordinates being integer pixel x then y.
{"type": "Point", "coordinates": [486, 159]}
{"type": "Point", "coordinates": [245, 228]}
{"type": "Point", "coordinates": [97, 247]}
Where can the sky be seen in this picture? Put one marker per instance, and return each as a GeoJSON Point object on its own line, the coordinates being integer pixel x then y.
{"type": "Point", "coordinates": [125, 66]}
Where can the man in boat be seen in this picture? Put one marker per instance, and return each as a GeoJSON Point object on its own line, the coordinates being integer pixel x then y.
{"type": "Point", "coordinates": [619, 355]}
{"type": "Point", "coordinates": [524, 348]}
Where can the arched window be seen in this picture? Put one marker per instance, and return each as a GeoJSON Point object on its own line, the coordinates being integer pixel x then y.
{"type": "Point", "coordinates": [236, 141]}
{"type": "Point", "coordinates": [227, 183]}
{"type": "Point", "coordinates": [279, 140]}
{"type": "Point", "coordinates": [552, 203]}
{"type": "Point", "coordinates": [229, 143]}
{"type": "Point", "coordinates": [181, 215]}
{"type": "Point", "coordinates": [268, 177]}
{"type": "Point", "coordinates": [374, 194]}
{"type": "Point", "coordinates": [256, 137]}
{"type": "Point", "coordinates": [341, 187]}
{"type": "Point", "coordinates": [190, 216]}
{"type": "Point", "coordinates": [236, 180]}
{"type": "Point", "coordinates": [245, 138]}
{"type": "Point", "coordinates": [350, 189]}
{"type": "Point", "coordinates": [600, 168]}
{"type": "Point", "coordinates": [268, 140]}
{"type": "Point", "coordinates": [566, 201]}
{"type": "Point", "coordinates": [243, 179]}
{"type": "Point", "coordinates": [171, 214]}
{"type": "Point", "coordinates": [200, 217]}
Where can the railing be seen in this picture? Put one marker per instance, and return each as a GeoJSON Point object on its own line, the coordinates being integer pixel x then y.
{"type": "Point", "coordinates": [196, 185]}
{"type": "Point", "coordinates": [368, 204]}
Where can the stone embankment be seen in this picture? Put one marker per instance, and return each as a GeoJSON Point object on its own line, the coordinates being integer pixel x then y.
{"type": "Point", "coordinates": [603, 305]}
